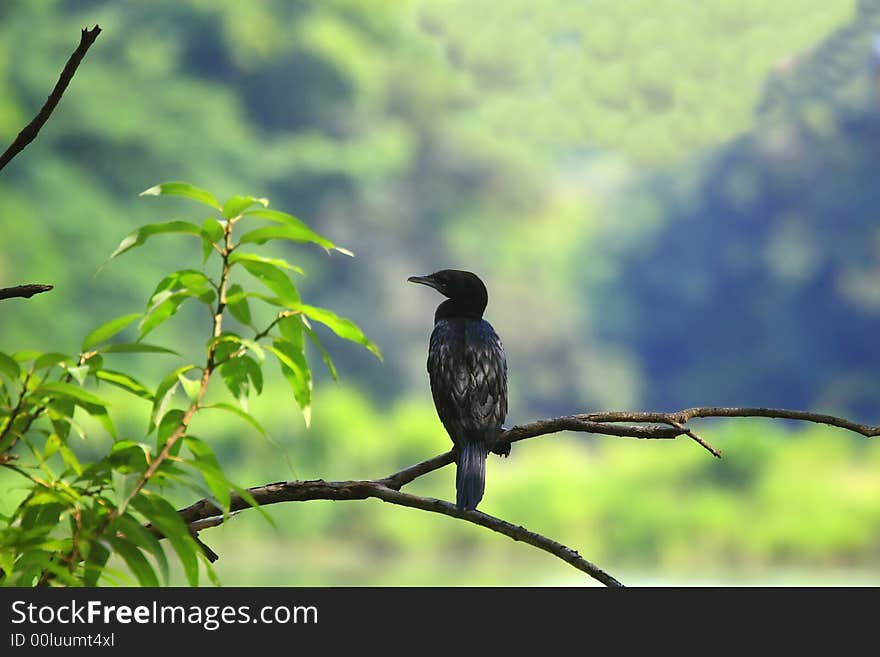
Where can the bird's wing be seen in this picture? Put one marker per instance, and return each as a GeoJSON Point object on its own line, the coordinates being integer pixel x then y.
{"type": "Point", "coordinates": [468, 372]}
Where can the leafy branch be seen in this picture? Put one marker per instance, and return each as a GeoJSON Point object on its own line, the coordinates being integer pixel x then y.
{"type": "Point", "coordinates": [107, 502]}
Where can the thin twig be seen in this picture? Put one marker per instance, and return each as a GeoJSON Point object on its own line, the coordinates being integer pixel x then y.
{"type": "Point", "coordinates": [23, 291]}
{"type": "Point", "coordinates": [30, 131]}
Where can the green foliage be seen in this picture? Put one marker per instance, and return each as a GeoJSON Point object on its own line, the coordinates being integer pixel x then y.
{"type": "Point", "coordinates": [80, 508]}
{"type": "Point", "coordinates": [502, 138]}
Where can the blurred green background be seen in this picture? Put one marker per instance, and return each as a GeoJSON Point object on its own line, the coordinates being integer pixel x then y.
{"type": "Point", "coordinates": [672, 204]}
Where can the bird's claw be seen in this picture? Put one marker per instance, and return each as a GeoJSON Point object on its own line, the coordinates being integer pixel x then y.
{"type": "Point", "coordinates": [502, 449]}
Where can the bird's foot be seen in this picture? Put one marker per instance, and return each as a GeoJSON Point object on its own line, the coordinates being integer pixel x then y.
{"type": "Point", "coordinates": [502, 449]}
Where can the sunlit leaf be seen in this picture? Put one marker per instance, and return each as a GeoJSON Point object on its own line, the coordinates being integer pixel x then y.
{"type": "Point", "coordinates": [169, 423]}
{"type": "Point", "coordinates": [344, 328]}
{"type": "Point", "coordinates": [128, 457]}
{"type": "Point", "coordinates": [236, 301]}
{"type": "Point", "coordinates": [238, 204]}
{"type": "Point", "coordinates": [125, 382]}
{"type": "Point", "coordinates": [62, 389]}
{"type": "Point", "coordinates": [212, 232]}
{"type": "Point", "coordinates": [324, 353]}
{"type": "Point", "coordinates": [190, 387]}
{"type": "Point", "coordinates": [51, 359]}
{"type": "Point", "coordinates": [79, 373]}
{"type": "Point", "coordinates": [171, 292]}
{"type": "Point", "coordinates": [295, 233]}
{"type": "Point", "coordinates": [99, 412]}
{"type": "Point", "coordinates": [164, 392]}
{"type": "Point", "coordinates": [107, 330]}
{"type": "Point", "coordinates": [275, 279]}
{"type": "Point", "coordinates": [183, 189]}
{"type": "Point", "coordinates": [238, 256]}
{"type": "Point", "coordinates": [296, 370]}
{"type": "Point", "coordinates": [205, 461]}
{"type": "Point", "coordinates": [136, 347]}
{"type": "Point", "coordinates": [142, 234]}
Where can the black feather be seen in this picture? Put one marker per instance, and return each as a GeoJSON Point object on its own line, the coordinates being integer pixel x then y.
{"type": "Point", "coordinates": [468, 373]}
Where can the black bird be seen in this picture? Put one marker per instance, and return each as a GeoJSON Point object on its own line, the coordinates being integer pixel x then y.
{"type": "Point", "coordinates": [468, 373]}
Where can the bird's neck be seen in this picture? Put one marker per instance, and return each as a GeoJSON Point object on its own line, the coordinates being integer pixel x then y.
{"type": "Point", "coordinates": [459, 309]}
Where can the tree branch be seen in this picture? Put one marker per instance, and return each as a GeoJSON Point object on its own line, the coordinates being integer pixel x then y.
{"type": "Point", "coordinates": [300, 491]}
{"type": "Point", "coordinates": [205, 513]}
{"type": "Point", "coordinates": [26, 291]}
{"type": "Point", "coordinates": [30, 131]}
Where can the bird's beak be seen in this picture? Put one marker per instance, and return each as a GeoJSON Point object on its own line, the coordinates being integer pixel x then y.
{"type": "Point", "coordinates": [423, 280]}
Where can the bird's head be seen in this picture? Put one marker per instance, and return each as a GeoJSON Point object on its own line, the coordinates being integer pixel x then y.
{"type": "Point", "coordinates": [465, 290]}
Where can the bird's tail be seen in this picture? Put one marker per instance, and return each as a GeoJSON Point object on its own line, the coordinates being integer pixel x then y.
{"type": "Point", "coordinates": [470, 477]}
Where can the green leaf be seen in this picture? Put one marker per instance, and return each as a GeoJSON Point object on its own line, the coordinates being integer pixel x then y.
{"type": "Point", "coordinates": [291, 328]}
{"type": "Point", "coordinates": [238, 204]}
{"type": "Point", "coordinates": [79, 373]}
{"type": "Point", "coordinates": [207, 464]}
{"type": "Point", "coordinates": [165, 306]}
{"type": "Point", "coordinates": [190, 387]}
{"type": "Point", "coordinates": [143, 233]}
{"type": "Point", "coordinates": [183, 189]}
{"type": "Point", "coordinates": [212, 232]}
{"type": "Point", "coordinates": [239, 256]}
{"type": "Point", "coordinates": [247, 417]}
{"type": "Point", "coordinates": [164, 517]}
{"type": "Point", "coordinates": [107, 330]}
{"type": "Point", "coordinates": [62, 389]}
{"type": "Point", "coordinates": [26, 355]}
{"type": "Point", "coordinates": [168, 425]}
{"type": "Point", "coordinates": [136, 347]}
{"type": "Point", "coordinates": [60, 412]}
{"type": "Point", "coordinates": [236, 301]}
{"type": "Point", "coordinates": [70, 459]}
{"type": "Point", "coordinates": [212, 229]}
{"type": "Point", "coordinates": [235, 376]}
{"type": "Point", "coordinates": [293, 232]}
{"type": "Point", "coordinates": [128, 457]}
{"type": "Point", "coordinates": [255, 349]}
{"type": "Point", "coordinates": [165, 391]}
{"type": "Point", "coordinates": [125, 382]}
{"type": "Point", "coordinates": [124, 480]}
{"type": "Point", "coordinates": [171, 292]}
{"type": "Point", "coordinates": [275, 279]}
{"type": "Point", "coordinates": [145, 540]}
{"type": "Point", "coordinates": [254, 372]}
{"type": "Point", "coordinates": [296, 370]}
{"type": "Point", "coordinates": [99, 412]}
{"type": "Point", "coordinates": [9, 367]}
{"type": "Point", "coordinates": [51, 359]}
{"type": "Point", "coordinates": [324, 353]}
{"type": "Point", "coordinates": [94, 563]}
{"type": "Point", "coordinates": [136, 562]}
{"type": "Point", "coordinates": [344, 328]}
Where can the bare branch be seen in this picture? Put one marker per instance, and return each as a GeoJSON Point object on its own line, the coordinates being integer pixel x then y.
{"type": "Point", "coordinates": [30, 131]}
{"type": "Point", "coordinates": [25, 291]}
{"type": "Point", "coordinates": [299, 491]}
{"type": "Point", "coordinates": [720, 411]}
{"type": "Point", "coordinates": [205, 513]}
